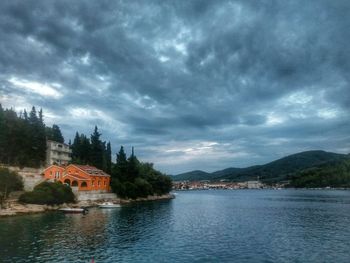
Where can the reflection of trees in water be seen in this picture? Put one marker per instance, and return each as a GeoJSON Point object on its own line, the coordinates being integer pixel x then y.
{"type": "Point", "coordinates": [46, 234]}
{"type": "Point", "coordinates": [69, 237]}
{"type": "Point", "coordinates": [26, 235]}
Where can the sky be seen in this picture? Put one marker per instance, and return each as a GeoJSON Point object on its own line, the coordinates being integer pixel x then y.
{"type": "Point", "coordinates": [190, 84]}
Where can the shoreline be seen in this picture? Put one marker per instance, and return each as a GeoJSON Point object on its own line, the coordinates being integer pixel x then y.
{"type": "Point", "coordinates": [16, 209]}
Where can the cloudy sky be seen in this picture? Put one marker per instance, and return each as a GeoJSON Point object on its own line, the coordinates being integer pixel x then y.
{"type": "Point", "coordinates": [191, 84]}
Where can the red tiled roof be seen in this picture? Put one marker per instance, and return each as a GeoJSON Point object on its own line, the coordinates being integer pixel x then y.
{"type": "Point", "coordinates": [91, 170]}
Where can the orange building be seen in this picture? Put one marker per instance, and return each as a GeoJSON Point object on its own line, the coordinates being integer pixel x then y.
{"type": "Point", "coordinates": [85, 177]}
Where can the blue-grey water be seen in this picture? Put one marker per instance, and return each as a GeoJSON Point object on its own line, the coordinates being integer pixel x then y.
{"type": "Point", "coordinates": [197, 226]}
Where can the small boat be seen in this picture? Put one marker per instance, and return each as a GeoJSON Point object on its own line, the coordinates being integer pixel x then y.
{"type": "Point", "coordinates": [73, 210]}
{"type": "Point", "coordinates": [109, 205]}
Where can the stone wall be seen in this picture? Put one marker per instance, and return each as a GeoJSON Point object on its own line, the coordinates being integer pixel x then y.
{"type": "Point", "coordinates": [94, 196]}
{"type": "Point", "coordinates": [31, 176]}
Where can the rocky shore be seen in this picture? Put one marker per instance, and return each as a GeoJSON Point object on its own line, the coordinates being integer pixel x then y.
{"type": "Point", "coordinates": [15, 208]}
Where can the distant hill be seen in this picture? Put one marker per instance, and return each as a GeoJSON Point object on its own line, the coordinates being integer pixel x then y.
{"type": "Point", "coordinates": [331, 174]}
{"type": "Point", "coordinates": [196, 175]}
{"type": "Point", "coordinates": [271, 172]}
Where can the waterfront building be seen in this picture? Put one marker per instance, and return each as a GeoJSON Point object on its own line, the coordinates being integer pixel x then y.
{"type": "Point", "coordinates": [57, 153]}
{"type": "Point", "coordinates": [79, 177]}
{"type": "Point", "coordinates": [254, 185]}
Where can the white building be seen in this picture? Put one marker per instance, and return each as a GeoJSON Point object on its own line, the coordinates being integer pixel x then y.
{"type": "Point", "coordinates": [57, 153]}
{"type": "Point", "coordinates": [254, 184]}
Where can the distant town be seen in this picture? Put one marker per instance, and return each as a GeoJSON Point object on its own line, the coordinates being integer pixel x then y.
{"type": "Point", "coordinates": [223, 184]}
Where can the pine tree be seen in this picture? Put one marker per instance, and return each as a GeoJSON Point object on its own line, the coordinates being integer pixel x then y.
{"type": "Point", "coordinates": [41, 139]}
{"type": "Point", "coordinates": [133, 171]}
{"type": "Point", "coordinates": [108, 158]}
{"type": "Point", "coordinates": [75, 147]}
{"type": "Point", "coordinates": [85, 149]}
{"type": "Point", "coordinates": [54, 133]}
{"type": "Point", "coordinates": [2, 135]}
{"type": "Point", "coordinates": [96, 154]}
{"type": "Point", "coordinates": [121, 166]}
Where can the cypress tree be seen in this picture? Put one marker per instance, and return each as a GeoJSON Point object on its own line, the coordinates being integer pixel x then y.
{"type": "Point", "coordinates": [108, 158]}
{"type": "Point", "coordinates": [85, 149]}
{"type": "Point", "coordinates": [121, 167]}
{"type": "Point", "coordinates": [41, 139]}
{"type": "Point", "coordinates": [54, 133]}
{"type": "Point", "coordinates": [2, 135]}
{"type": "Point", "coordinates": [96, 154]}
{"type": "Point", "coordinates": [133, 163]}
{"type": "Point", "coordinates": [75, 148]}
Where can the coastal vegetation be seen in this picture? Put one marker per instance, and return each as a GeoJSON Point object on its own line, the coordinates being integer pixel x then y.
{"type": "Point", "coordinates": [49, 193]}
{"type": "Point", "coordinates": [23, 143]}
{"type": "Point", "coordinates": [22, 138]}
{"type": "Point", "coordinates": [92, 151]}
{"type": "Point", "coordinates": [330, 174]}
{"type": "Point", "coordinates": [132, 178]}
{"type": "Point", "coordinates": [9, 182]}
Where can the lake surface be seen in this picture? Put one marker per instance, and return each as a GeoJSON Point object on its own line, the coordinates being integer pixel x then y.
{"type": "Point", "coordinates": [197, 226]}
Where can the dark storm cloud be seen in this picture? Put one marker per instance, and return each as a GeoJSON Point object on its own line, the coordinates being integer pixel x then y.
{"type": "Point", "coordinates": [192, 84]}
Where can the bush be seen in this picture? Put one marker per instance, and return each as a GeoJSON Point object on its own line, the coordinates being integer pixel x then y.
{"type": "Point", "coordinates": [143, 188]}
{"type": "Point", "coordinates": [49, 194]}
{"type": "Point", "coordinates": [118, 187]}
{"type": "Point", "coordinates": [130, 190]}
{"type": "Point", "coordinates": [161, 184]}
{"type": "Point", "coordinates": [9, 182]}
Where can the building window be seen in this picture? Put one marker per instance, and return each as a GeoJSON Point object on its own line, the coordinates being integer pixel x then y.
{"type": "Point", "coordinates": [98, 183]}
{"type": "Point", "coordinates": [105, 183]}
{"type": "Point", "coordinates": [93, 183]}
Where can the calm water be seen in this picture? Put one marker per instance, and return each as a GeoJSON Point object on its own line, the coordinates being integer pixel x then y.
{"type": "Point", "coordinates": [202, 226]}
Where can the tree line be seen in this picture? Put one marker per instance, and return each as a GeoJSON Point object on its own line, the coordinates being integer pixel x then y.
{"type": "Point", "coordinates": [332, 174]}
{"type": "Point", "coordinates": [23, 143]}
{"type": "Point", "coordinates": [92, 151]}
{"type": "Point", "coordinates": [130, 178]}
{"type": "Point", "coordinates": [23, 137]}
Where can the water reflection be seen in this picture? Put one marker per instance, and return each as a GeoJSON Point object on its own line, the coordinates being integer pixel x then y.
{"type": "Point", "coordinates": [208, 226]}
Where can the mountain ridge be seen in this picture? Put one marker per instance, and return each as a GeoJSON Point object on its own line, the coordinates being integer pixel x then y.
{"type": "Point", "coordinates": [277, 170]}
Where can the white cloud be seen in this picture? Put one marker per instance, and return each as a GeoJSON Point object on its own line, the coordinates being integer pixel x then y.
{"type": "Point", "coordinates": [297, 98]}
{"type": "Point", "coordinates": [327, 113]}
{"type": "Point", "coordinates": [42, 89]}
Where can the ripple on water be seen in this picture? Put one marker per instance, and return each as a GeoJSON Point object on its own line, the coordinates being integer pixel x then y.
{"type": "Point", "coordinates": [207, 226]}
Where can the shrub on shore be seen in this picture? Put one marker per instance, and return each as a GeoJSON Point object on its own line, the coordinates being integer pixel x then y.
{"type": "Point", "coordinates": [9, 182]}
{"type": "Point", "coordinates": [48, 193]}
{"type": "Point", "coordinates": [132, 178]}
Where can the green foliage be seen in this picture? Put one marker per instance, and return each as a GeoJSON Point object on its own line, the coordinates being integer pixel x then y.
{"type": "Point", "coordinates": [333, 174]}
{"type": "Point", "coordinates": [143, 187]}
{"type": "Point", "coordinates": [92, 151]}
{"type": "Point", "coordinates": [271, 172]}
{"type": "Point", "coordinates": [97, 149]}
{"type": "Point", "coordinates": [132, 167]}
{"type": "Point", "coordinates": [54, 134]}
{"type": "Point", "coordinates": [108, 158]}
{"type": "Point", "coordinates": [22, 138]}
{"type": "Point", "coordinates": [9, 182]}
{"type": "Point", "coordinates": [81, 149]}
{"type": "Point", "coordinates": [130, 190]}
{"type": "Point", "coordinates": [121, 167]}
{"type": "Point", "coordinates": [118, 187]}
{"type": "Point", "coordinates": [49, 194]}
{"type": "Point", "coordinates": [132, 178]}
